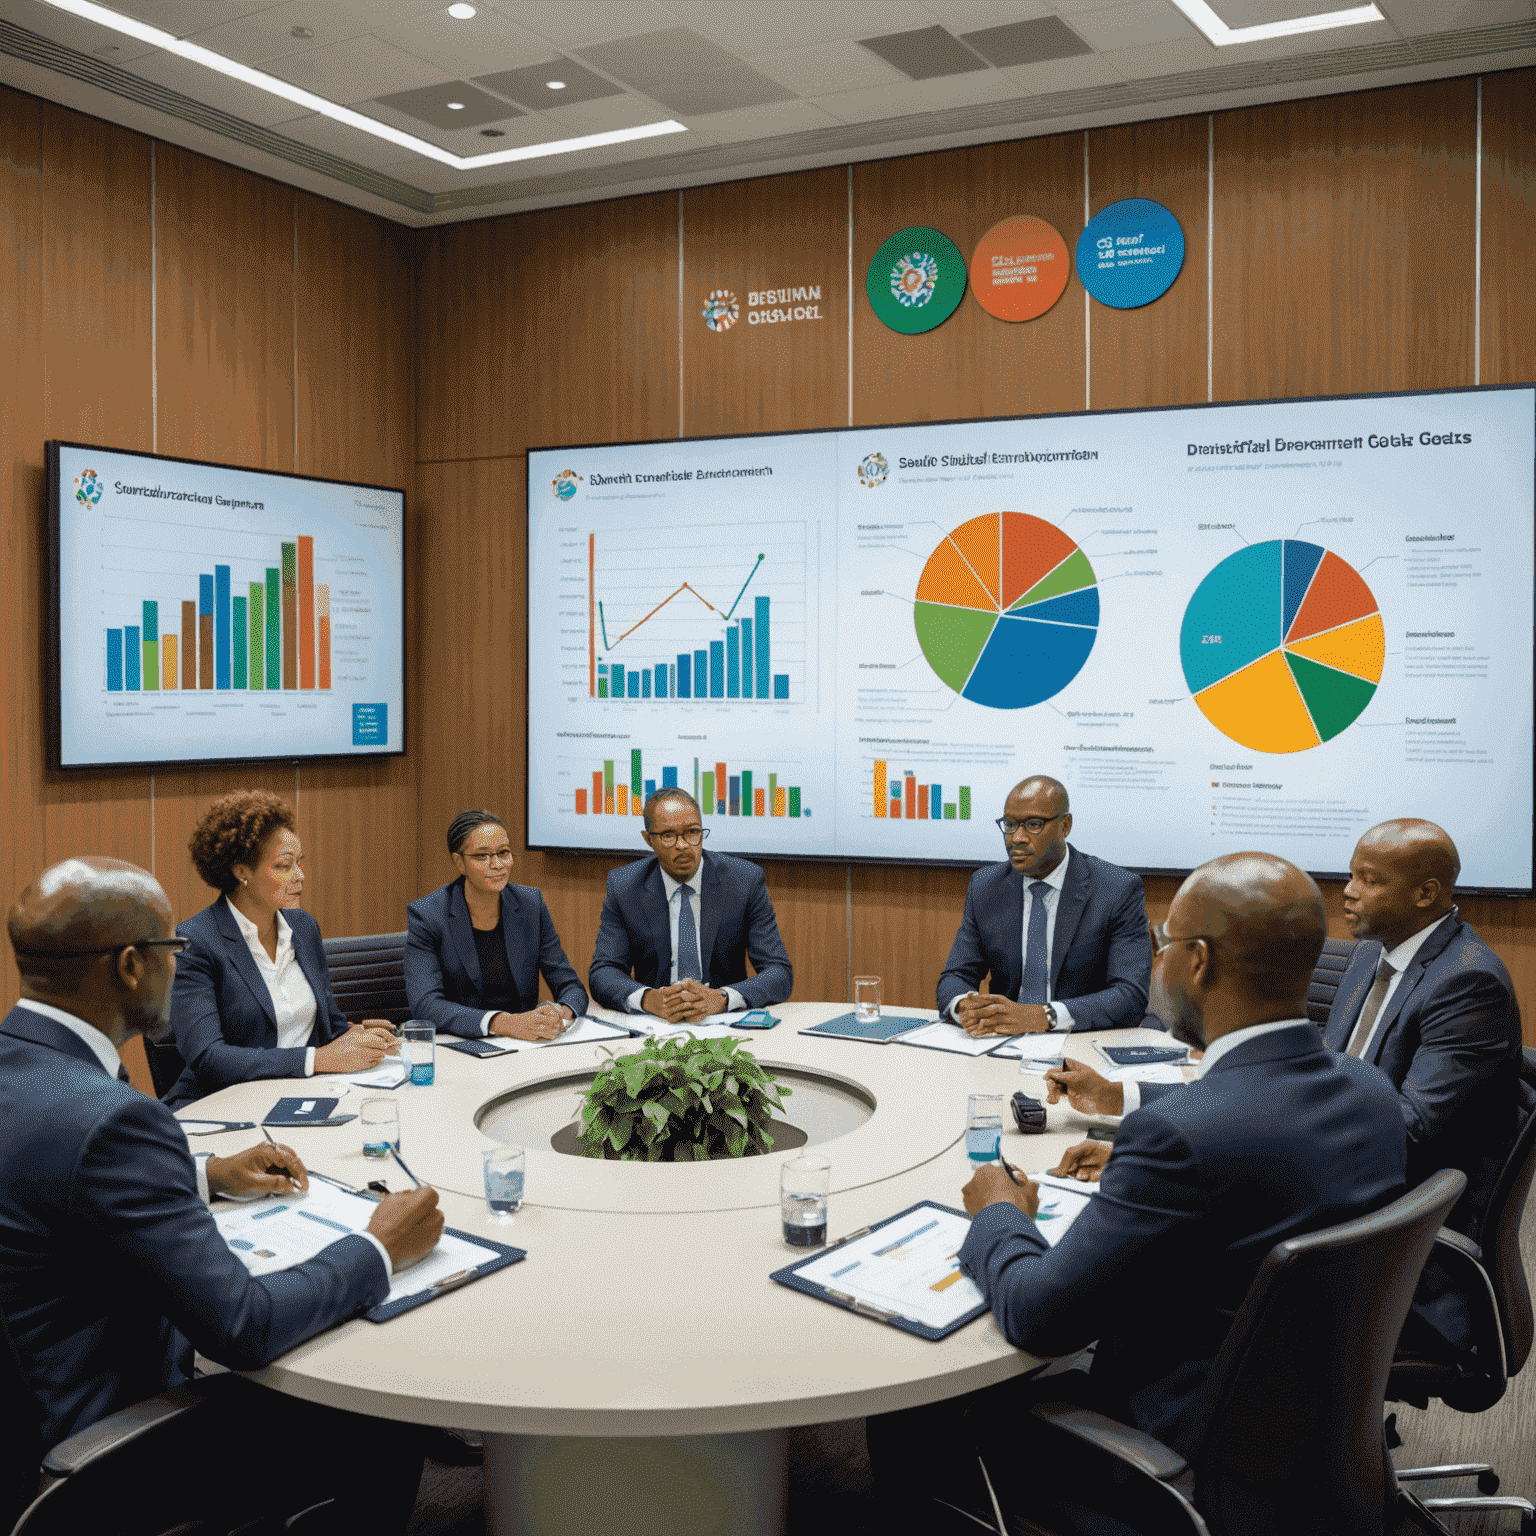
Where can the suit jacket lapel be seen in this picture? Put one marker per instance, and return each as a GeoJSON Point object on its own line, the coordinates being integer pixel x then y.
{"type": "Point", "coordinates": [1069, 910]}
{"type": "Point", "coordinates": [1431, 949]}
{"type": "Point", "coordinates": [1347, 1004]}
{"type": "Point", "coordinates": [511, 928]}
{"type": "Point", "coordinates": [710, 898]}
{"type": "Point", "coordinates": [1009, 914]}
{"type": "Point", "coordinates": [41, 1030]}
{"type": "Point", "coordinates": [240, 957]}
{"type": "Point", "coordinates": [653, 893]}
{"type": "Point", "coordinates": [461, 934]}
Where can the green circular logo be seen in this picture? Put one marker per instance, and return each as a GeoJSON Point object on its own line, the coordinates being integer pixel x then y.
{"type": "Point", "coordinates": [916, 280]}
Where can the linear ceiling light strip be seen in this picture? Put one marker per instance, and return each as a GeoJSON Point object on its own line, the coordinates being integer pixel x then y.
{"type": "Point", "coordinates": [1223, 36]}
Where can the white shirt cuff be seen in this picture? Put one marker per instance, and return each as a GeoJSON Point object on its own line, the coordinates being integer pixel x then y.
{"type": "Point", "coordinates": [309, 1062]}
{"type": "Point", "coordinates": [734, 1001]}
{"type": "Point", "coordinates": [485, 1021]}
{"type": "Point", "coordinates": [200, 1161]}
{"type": "Point", "coordinates": [632, 1002]}
{"type": "Point", "coordinates": [1132, 1092]}
{"type": "Point", "coordinates": [1063, 1015]}
{"type": "Point", "coordinates": [389, 1268]}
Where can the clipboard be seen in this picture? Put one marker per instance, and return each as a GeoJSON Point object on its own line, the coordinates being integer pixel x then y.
{"type": "Point", "coordinates": [880, 1031]}
{"type": "Point", "coordinates": [791, 1277]}
{"type": "Point", "coordinates": [505, 1256]}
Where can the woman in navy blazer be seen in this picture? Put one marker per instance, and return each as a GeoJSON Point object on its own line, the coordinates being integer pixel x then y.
{"type": "Point", "coordinates": [240, 1015]}
{"type": "Point", "coordinates": [476, 947]}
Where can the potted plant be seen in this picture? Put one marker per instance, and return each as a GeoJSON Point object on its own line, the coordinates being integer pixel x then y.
{"type": "Point", "coordinates": [680, 1100]}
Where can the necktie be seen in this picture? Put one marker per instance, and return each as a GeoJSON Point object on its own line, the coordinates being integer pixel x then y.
{"type": "Point", "coordinates": [1373, 1001]}
{"type": "Point", "coordinates": [1037, 963]}
{"type": "Point", "coordinates": [122, 1074]}
{"type": "Point", "coordinates": [687, 939]}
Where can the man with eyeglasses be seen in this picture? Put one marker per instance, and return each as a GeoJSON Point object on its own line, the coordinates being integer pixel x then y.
{"type": "Point", "coordinates": [678, 928]}
{"type": "Point", "coordinates": [1063, 935]}
{"type": "Point", "coordinates": [111, 1267]}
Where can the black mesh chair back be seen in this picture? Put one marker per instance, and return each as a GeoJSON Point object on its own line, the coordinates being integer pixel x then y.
{"type": "Point", "coordinates": [21, 1449]}
{"type": "Point", "coordinates": [1290, 1435]}
{"type": "Point", "coordinates": [368, 976]}
{"type": "Point", "coordinates": [1500, 1235]}
{"type": "Point", "coordinates": [1326, 976]}
{"type": "Point", "coordinates": [165, 1066]}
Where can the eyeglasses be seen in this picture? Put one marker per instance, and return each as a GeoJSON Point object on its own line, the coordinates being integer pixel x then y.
{"type": "Point", "coordinates": [1162, 941]}
{"type": "Point", "coordinates": [500, 856]}
{"type": "Point", "coordinates": [176, 944]}
{"type": "Point", "coordinates": [693, 836]}
{"type": "Point", "coordinates": [1033, 824]}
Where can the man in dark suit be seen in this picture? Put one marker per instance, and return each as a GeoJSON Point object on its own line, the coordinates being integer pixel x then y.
{"type": "Point", "coordinates": [1062, 934]}
{"type": "Point", "coordinates": [678, 928]}
{"type": "Point", "coordinates": [111, 1267]}
{"type": "Point", "coordinates": [1278, 1137]}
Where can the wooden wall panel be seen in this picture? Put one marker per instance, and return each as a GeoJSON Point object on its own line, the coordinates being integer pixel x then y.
{"type": "Point", "coordinates": [224, 320]}
{"type": "Point", "coordinates": [549, 328]}
{"type": "Point", "coordinates": [1509, 228]}
{"type": "Point", "coordinates": [1344, 243]}
{"type": "Point", "coordinates": [904, 921]}
{"type": "Point", "coordinates": [780, 232]}
{"type": "Point", "coordinates": [972, 365]}
{"type": "Point", "coordinates": [1154, 355]}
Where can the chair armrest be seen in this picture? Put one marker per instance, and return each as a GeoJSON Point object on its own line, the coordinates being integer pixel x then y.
{"type": "Point", "coordinates": [1131, 1446]}
{"type": "Point", "coordinates": [1446, 1238]}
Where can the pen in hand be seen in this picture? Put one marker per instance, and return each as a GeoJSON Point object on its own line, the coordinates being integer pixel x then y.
{"type": "Point", "coordinates": [405, 1168]}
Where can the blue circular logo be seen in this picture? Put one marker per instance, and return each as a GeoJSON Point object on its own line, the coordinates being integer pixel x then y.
{"type": "Point", "coordinates": [1130, 253]}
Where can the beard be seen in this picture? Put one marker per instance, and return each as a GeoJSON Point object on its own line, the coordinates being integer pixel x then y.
{"type": "Point", "coordinates": [1183, 1024]}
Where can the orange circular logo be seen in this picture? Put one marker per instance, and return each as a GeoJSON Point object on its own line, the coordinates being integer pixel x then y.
{"type": "Point", "coordinates": [1020, 268]}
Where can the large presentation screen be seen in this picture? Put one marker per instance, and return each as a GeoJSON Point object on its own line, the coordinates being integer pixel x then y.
{"type": "Point", "coordinates": [203, 613]}
{"type": "Point", "coordinates": [1266, 625]}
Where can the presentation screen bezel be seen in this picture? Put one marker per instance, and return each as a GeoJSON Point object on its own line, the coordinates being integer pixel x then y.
{"type": "Point", "coordinates": [53, 701]}
{"type": "Point", "coordinates": [1528, 827]}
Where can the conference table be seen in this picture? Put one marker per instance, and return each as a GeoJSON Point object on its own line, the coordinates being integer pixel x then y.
{"type": "Point", "coordinates": [640, 1358]}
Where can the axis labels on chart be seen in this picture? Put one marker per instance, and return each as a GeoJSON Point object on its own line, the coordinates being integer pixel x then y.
{"type": "Point", "coordinates": [1282, 646]}
{"type": "Point", "coordinates": [1007, 610]}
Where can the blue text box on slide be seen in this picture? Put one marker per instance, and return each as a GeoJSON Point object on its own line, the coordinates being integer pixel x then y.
{"type": "Point", "coordinates": [1130, 253]}
{"type": "Point", "coordinates": [370, 725]}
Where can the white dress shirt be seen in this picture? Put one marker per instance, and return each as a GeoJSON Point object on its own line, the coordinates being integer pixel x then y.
{"type": "Point", "coordinates": [1399, 959]}
{"type": "Point", "coordinates": [293, 999]}
{"type": "Point", "coordinates": [694, 885]}
{"type": "Point", "coordinates": [1052, 899]}
{"type": "Point", "coordinates": [1213, 1054]}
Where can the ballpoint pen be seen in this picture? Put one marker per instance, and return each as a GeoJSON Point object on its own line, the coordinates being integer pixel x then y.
{"type": "Point", "coordinates": [405, 1167]}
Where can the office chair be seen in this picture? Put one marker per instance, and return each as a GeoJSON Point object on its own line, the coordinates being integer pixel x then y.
{"type": "Point", "coordinates": [368, 976]}
{"type": "Point", "coordinates": [1289, 1430]}
{"type": "Point", "coordinates": [1326, 976]}
{"type": "Point", "coordinates": [1490, 1277]}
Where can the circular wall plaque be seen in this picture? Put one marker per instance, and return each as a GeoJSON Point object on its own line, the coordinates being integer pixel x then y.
{"type": "Point", "coordinates": [1020, 268]}
{"type": "Point", "coordinates": [1130, 253]}
{"type": "Point", "coordinates": [916, 280]}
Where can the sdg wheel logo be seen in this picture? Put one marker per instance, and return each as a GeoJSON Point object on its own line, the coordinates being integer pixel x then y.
{"type": "Point", "coordinates": [88, 488]}
{"type": "Point", "coordinates": [721, 310]}
{"type": "Point", "coordinates": [914, 279]}
{"type": "Point", "coordinates": [873, 470]}
{"type": "Point", "coordinates": [565, 484]}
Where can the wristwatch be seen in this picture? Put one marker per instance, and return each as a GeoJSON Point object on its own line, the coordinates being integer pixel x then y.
{"type": "Point", "coordinates": [1050, 1015]}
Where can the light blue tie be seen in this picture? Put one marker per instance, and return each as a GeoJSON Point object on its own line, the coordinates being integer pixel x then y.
{"type": "Point", "coordinates": [687, 939]}
{"type": "Point", "coordinates": [1037, 964]}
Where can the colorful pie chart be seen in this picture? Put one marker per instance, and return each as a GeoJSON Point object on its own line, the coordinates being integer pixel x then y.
{"type": "Point", "coordinates": [1007, 610]}
{"type": "Point", "coordinates": [1282, 646]}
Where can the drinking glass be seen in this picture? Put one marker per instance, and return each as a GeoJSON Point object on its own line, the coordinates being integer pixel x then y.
{"type": "Point", "coordinates": [420, 1051]}
{"type": "Point", "coordinates": [866, 999]}
{"type": "Point", "coordinates": [984, 1127]}
{"type": "Point", "coordinates": [504, 1167]}
{"type": "Point", "coordinates": [380, 1120]}
{"type": "Point", "coordinates": [803, 1185]}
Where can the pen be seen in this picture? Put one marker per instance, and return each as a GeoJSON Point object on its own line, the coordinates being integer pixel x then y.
{"type": "Point", "coordinates": [268, 1134]}
{"type": "Point", "coordinates": [404, 1168]}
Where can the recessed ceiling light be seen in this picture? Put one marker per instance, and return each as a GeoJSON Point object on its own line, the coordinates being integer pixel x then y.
{"type": "Point", "coordinates": [455, 106]}
{"type": "Point", "coordinates": [129, 26]}
{"type": "Point", "coordinates": [1223, 36]}
{"type": "Point", "coordinates": [461, 12]}
{"type": "Point", "coordinates": [555, 85]}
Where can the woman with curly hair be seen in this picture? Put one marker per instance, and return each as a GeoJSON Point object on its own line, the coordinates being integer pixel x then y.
{"type": "Point", "coordinates": [252, 996]}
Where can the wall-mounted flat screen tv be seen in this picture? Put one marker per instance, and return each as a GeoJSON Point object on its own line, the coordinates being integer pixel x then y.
{"type": "Point", "coordinates": [204, 613]}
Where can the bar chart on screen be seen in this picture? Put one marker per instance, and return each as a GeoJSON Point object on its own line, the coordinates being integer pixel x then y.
{"type": "Point", "coordinates": [720, 614]}
{"type": "Point", "coordinates": [723, 787]}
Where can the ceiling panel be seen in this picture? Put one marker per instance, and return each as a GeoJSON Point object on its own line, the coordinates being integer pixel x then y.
{"type": "Point", "coordinates": [268, 34]}
{"type": "Point", "coordinates": [478, 46]}
{"type": "Point", "coordinates": [748, 28]}
{"type": "Point", "coordinates": [356, 70]}
{"type": "Point", "coordinates": [529, 86]}
{"type": "Point", "coordinates": [1085, 72]}
{"type": "Point", "coordinates": [1131, 26]}
{"type": "Point", "coordinates": [826, 67]}
{"type": "Point", "coordinates": [453, 107]}
{"type": "Point", "coordinates": [1027, 42]}
{"type": "Point", "coordinates": [925, 54]}
{"type": "Point", "coordinates": [243, 101]}
{"type": "Point", "coordinates": [594, 21]}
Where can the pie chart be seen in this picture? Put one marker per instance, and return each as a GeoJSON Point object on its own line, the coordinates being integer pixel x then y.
{"type": "Point", "coordinates": [1282, 646]}
{"type": "Point", "coordinates": [1007, 610]}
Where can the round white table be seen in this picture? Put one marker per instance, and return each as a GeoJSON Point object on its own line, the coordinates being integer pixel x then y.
{"type": "Point", "coordinates": [640, 1358]}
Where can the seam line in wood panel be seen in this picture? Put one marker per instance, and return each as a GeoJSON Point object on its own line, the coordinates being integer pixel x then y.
{"type": "Point", "coordinates": [1210, 254]}
{"type": "Point", "coordinates": [850, 328]}
{"type": "Point", "coordinates": [154, 337]}
{"type": "Point", "coordinates": [1087, 302]}
{"type": "Point", "coordinates": [1477, 248]}
{"type": "Point", "coordinates": [680, 400]}
{"type": "Point", "coordinates": [294, 290]}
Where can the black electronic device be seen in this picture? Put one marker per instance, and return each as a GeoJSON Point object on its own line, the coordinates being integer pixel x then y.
{"type": "Point", "coordinates": [1028, 1114]}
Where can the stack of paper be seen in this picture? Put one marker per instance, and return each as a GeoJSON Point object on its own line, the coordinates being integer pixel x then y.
{"type": "Point", "coordinates": [944, 1036]}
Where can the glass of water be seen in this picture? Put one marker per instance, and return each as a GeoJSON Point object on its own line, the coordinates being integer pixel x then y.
{"type": "Point", "coordinates": [803, 1185]}
{"type": "Point", "coordinates": [420, 1050]}
{"type": "Point", "coordinates": [984, 1128]}
{"type": "Point", "coordinates": [866, 999]}
{"type": "Point", "coordinates": [504, 1167]}
{"type": "Point", "coordinates": [380, 1120]}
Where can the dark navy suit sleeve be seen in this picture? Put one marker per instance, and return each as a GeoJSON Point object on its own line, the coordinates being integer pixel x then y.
{"type": "Point", "coordinates": [1122, 1002]}
{"type": "Point", "coordinates": [1054, 1301]}
{"type": "Point", "coordinates": [425, 987]}
{"type": "Point", "coordinates": [134, 1190]}
{"type": "Point", "coordinates": [203, 982]}
{"type": "Point", "coordinates": [564, 984]}
{"type": "Point", "coordinates": [775, 977]}
{"type": "Point", "coordinates": [967, 962]}
{"type": "Point", "coordinates": [611, 975]}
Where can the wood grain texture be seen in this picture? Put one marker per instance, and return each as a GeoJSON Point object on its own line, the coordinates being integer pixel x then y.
{"type": "Point", "coordinates": [224, 317]}
{"type": "Point", "coordinates": [1344, 243]}
{"type": "Point", "coordinates": [971, 365]}
{"type": "Point", "coordinates": [780, 232]}
{"type": "Point", "coordinates": [1154, 355]}
{"type": "Point", "coordinates": [547, 328]}
{"type": "Point", "coordinates": [1509, 228]}
{"type": "Point", "coordinates": [904, 922]}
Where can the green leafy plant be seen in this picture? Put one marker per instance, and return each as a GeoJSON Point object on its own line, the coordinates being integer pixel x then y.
{"type": "Point", "coordinates": [680, 1100]}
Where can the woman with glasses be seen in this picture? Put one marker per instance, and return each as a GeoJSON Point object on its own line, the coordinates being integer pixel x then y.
{"type": "Point", "coordinates": [252, 996]}
{"type": "Point", "coordinates": [477, 946]}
